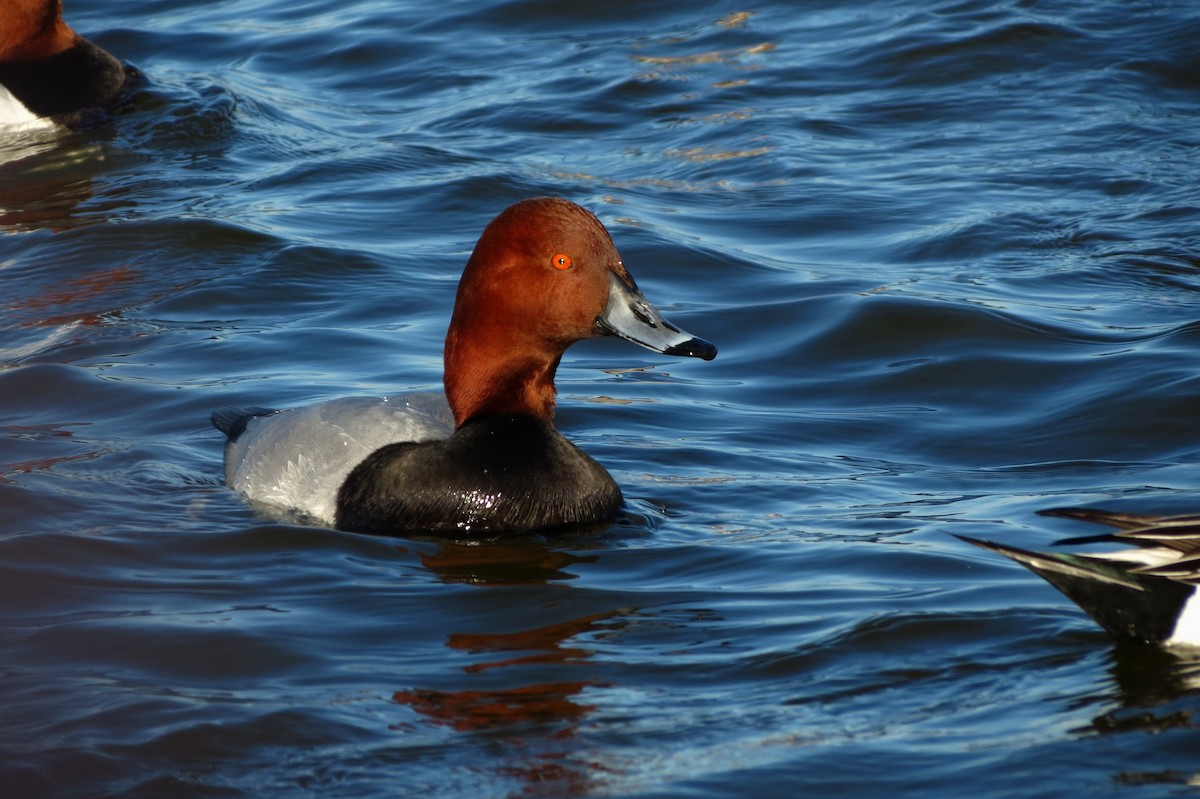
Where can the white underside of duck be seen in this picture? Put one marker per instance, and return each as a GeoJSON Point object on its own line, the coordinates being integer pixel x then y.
{"type": "Point", "coordinates": [1187, 629]}
{"type": "Point", "coordinates": [14, 116]}
{"type": "Point", "coordinates": [299, 458]}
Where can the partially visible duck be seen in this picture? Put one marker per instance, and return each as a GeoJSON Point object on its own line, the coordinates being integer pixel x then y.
{"type": "Point", "coordinates": [1146, 594]}
{"type": "Point", "coordinates": [49, 74]}
{"type": "Point", "coordinates": [484, 458]}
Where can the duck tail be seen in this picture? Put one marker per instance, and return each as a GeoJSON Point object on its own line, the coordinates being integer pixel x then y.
{"type": "Point", "coordinates": [232, 421]}
{"type": "Point", "coordinates": [1132, 607]}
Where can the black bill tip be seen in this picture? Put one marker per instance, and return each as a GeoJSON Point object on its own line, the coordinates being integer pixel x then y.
{"type": "Point", "coordinates": [693, 348]}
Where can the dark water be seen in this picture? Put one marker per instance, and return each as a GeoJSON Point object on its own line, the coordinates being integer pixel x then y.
{"type": "Point", "coordinates": [949, 254]}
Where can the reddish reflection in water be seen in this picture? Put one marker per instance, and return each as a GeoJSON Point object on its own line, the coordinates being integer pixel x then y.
{"type": "Point", "coordinates": [546, 643]}
{"type": "Point", "coordinates": [12, 437]}
{"type": "Point", "coordinates": [505, 563]}
{"type": "Point", "coordinates": [482, 710]}
{"type": "Point", "coordinates": [521, 714]}
{"type": "Point", "coordinates": [75, 299]}
{"type": "Point", "coordinates": [537, 720]}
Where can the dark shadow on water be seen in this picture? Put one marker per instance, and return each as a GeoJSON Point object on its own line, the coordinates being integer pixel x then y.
{"type": "Point", "coordinates": [1150, 685]}
{"type": "Point", "coordinates": [1157, 691]}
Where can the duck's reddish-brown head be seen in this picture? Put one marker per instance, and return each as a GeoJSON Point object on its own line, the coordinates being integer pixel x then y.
{"type": "Point", "coordinates": [544, 274]}
{"type": "Point", "coordinates": [33, 29]}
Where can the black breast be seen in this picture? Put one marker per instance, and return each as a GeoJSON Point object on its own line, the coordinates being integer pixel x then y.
{"type": "Point", "coordinates": [64, 85]}
{"type": "Point", "coordinates": [495, 475]}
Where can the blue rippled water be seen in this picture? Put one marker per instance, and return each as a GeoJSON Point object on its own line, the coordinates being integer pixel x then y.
{"type": "Point", "coordinates": [948, 251]}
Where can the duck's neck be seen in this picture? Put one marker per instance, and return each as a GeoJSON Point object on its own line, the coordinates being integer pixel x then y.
{"type": "Point", "coordinates": [490, 376]}
{"type": "Point", "coordinates": [36, 31]}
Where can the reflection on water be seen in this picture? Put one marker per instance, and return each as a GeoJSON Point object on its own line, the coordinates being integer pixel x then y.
{"type": "Point", "coordinates": [1153, 689]}
{"type": "Point", "coordinates": [537, 721]}
{"type": "Point", "coordinates": [508, 563]}
{"type": "Point", "coordinates": [535, 714]}
{"type": "Point", "coordinates": [43, 180]}
{"type": "Point", "coordinates": [1148, 683]}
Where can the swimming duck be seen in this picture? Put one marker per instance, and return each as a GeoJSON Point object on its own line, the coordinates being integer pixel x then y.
{"type": "Point", "coordinates": [484, 458]}
{"type": "Point", "coordinates": [49, 74]}
{"type": "Point", "coordinates": [1146, 594]}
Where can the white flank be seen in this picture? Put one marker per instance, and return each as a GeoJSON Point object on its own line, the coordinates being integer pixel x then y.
{"type": "Point", "coordinates": [14, 116]}
{"type": "Point", "coordinates": [299, 458]}
{"type": "Point", "coordinates": [1144, 556]}
{"type": "Point", "coordinates": [1187, 629]}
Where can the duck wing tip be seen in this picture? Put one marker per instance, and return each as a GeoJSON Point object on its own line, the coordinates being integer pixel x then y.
{"type": "Point", "coordinates": [1003, 549]}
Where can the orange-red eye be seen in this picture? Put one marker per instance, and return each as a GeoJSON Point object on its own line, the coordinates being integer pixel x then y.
{"type": "Point", "coordinates": [561, 261]}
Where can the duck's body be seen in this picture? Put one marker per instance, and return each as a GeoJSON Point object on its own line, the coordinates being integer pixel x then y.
{"type": "Point", "coordinates": [49, 75]}
{"type": "Point", "coordinates": [484, 459]}
{"type": "Point", "coordinates": [1144, 594]}
{"type": "Point", "coordinates": [299, 458]}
